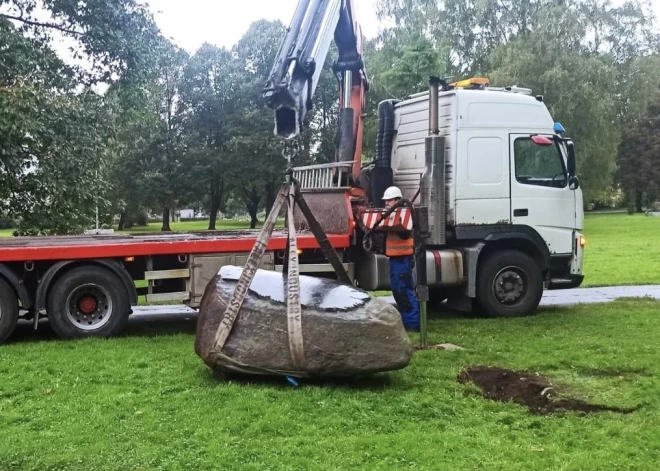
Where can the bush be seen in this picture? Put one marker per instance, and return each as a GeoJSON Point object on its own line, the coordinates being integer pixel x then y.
{"type": "Point", "coordinates": [612, 198]}
{"type": "Point", "coordinates": [141, 218]}
{"type": "Point", "coordinates": [6, 222]}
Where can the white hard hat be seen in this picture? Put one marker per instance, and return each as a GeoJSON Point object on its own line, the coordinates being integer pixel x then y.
{"type": "Point", "coordinates": [391, 193]}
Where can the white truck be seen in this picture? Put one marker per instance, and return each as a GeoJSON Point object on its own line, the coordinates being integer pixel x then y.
{"type": "Point", "coordinates": [505, 206]}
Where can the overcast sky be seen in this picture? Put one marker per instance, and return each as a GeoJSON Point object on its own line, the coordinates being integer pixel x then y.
{"type": "Point", "coordinates": [189, 23]}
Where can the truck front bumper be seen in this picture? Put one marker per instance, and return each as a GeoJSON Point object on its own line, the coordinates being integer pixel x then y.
{"type": "Point", "coordinates": [568, 272]}
{"type": "Point", "coordinates": [572, 281]}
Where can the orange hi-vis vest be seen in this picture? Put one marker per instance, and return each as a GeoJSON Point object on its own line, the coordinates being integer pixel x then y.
{"type": "Point", "coordinates": [395, 246]}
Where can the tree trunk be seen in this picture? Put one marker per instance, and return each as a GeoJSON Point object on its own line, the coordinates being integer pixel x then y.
{"type": "Point", "coordinates": [217, 189]}
{"type": "Point", "coordinates": [270, 188]}
{"type": "Point", "coordinates": [166, 220]}
{"type": "Point", "coordinates": [252, 203]}
{"type": "Point", "coordinates": [122, 221]}
{"type": "Point", "coordinates": [638, 201]}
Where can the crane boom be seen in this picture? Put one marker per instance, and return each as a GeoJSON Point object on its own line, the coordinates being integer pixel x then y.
{"type": "Point", "coordinates": [292, 82]}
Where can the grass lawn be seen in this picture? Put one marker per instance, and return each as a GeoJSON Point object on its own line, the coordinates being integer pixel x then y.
{"type": "Point", "coordinates": [224, 224]}
{"type": "Point", "coordinates": [145, 401]}
{"type": "Point", "coordinates": [622, 250]}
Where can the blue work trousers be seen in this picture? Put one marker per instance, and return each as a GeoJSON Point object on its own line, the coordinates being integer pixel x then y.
{"type": "Point", "coordinates": [403, 288]}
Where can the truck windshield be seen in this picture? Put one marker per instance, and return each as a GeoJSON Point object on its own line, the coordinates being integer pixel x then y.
{"type": "Point", "coordinates": [539, 165]}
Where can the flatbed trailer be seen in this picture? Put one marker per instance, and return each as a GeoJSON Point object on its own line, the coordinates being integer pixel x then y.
{"type": "Point", "coordinates": [86, 284]}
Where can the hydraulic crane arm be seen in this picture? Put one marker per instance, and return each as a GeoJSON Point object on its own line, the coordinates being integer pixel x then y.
{"type": "Point", "coordinates": [293, 79]}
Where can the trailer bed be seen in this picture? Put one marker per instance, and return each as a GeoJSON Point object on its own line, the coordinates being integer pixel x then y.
{"type": "Point", "coordinates": [21, 249]}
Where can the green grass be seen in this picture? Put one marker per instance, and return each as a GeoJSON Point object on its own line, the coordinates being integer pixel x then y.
{"type": "Point", "coordinates": [621, 250]}
{"type": "Point", "coordinates": [145, 401]}
{"type": "Point", "coordinates": [192, 226]}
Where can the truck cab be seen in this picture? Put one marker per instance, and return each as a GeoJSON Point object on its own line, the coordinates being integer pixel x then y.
{"type": "Point", "coordinates": [508, 196]}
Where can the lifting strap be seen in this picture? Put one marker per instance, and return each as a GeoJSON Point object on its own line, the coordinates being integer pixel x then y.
{"type": "Point", "coordinates": [247, 275]}
{"type": "Point", "coordinates": [293, 309]}
{"type": "Point", "coordinates": [291, 193]}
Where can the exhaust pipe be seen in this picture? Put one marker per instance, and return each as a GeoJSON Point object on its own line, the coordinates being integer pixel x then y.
{"type": "Point", "coordinates": [434, 127]}
{"type": "Point", "coordinates": [382, 175]}
{"type": "Point", "coordinates": [432, 191]}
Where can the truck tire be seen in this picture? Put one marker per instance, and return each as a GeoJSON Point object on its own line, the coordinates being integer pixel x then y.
{"type": "Point", "coordinates": [88, 301]}
{"type": "Point", "coordinates": [8, 310]}
{"type": "Point", "coordinates": [509, 284]}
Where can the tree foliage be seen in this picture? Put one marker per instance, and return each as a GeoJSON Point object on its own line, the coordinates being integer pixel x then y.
{"type": "Point", "coordinates": [51, 158]}
{"type": "Point", "coordinates": [209, 84]}
{"type": "Point", "coordinates": [639, 159]}
{"type": "Point", "coordinates": [115, 35]}
{"type": "Point", "coordinates": [57, 146]}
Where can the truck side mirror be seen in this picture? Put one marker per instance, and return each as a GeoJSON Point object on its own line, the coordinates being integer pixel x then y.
{"type": "Point", "coordinates": [573, 182]}
{"type": "Point", "coordinates": [570, 162]}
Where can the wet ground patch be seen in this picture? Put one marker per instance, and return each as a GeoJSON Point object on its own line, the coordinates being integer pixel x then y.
{"type": "Point", "coordinates": [529, 389]}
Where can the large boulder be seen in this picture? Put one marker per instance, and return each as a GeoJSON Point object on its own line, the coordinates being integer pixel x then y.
{"type": "Point", "coordinates": [345, 331]}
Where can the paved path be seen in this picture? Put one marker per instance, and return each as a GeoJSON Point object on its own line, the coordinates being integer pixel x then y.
{"type": "Point", "coordinates": [569, 297]}
{"type": "Point", "coordinates": [564, 297]}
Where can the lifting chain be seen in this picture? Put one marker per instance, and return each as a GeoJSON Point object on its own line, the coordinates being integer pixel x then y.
{"type": "Point", "coordinates": [290, 151]}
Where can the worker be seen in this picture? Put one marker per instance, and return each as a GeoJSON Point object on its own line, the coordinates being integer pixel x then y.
{"type": "Point", "coordinates": [400, 249]}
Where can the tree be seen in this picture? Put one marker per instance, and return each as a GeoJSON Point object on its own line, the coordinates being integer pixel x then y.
{"type": "Point", "coordinates": [52, 159]}
{"type": "Point", "coordinates": [115, 35]}
{"type": "Point", "coordinates": [257, 167]}
{"type": "Point", "coordinates": [577, 88]}
{"type": "Point", "coordinates": [168, 174]}
{"type": "Point", "coordinates": [57, 148]}
{"type": "Point", "coordinates": [639, 159]}
{"type": "Point", "coordinates": [208, 91]}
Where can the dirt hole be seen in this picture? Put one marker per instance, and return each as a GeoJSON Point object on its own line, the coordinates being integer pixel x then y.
{"type": "Point", "coordinates": [529, 389]}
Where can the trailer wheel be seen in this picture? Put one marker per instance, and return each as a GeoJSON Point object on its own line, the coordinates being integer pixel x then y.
{"type": "Point", "coordinates": [509, 284]}
{"type": "Point", "coordinates": [88, 301]}
{"type": "Point", "coordinates": [8, 310]}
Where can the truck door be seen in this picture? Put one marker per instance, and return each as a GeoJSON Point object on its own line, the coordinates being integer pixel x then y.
{"type": "Point", "coordinates": [540, 193]}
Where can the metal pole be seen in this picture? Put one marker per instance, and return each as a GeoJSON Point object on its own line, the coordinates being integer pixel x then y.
{"type": "Point", "coordinates": [97, 205]}
{"type": "Point", "coordinates": [423, 230]}
{"type": "Point", "coordinates": [421, 233]}
{"type": "Point", "coordinates": [423, 332]}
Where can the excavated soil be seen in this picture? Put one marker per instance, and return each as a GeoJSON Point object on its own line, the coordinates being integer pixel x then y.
{"type": "Point", "coordinates": [529, 389]}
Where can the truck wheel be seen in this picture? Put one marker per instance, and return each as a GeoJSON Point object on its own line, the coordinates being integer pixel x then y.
{"type": "Point", "coordinates": [8, 310]}
{"type": "Point", "coordinates": [88, 302]}
{"type": "Point", "coordinates": [509, 284]}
